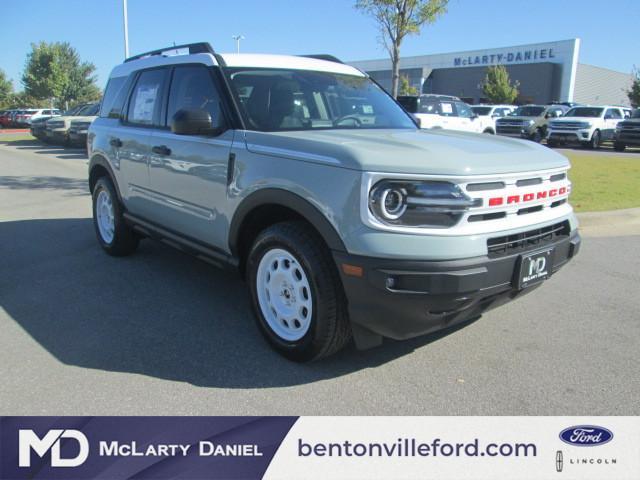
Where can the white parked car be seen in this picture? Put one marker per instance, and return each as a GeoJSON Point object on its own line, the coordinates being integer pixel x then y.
{"type": "Point", "coordinates": [442, 112]}
{"type": "Point", "coordinates": [488, 114]}
{"type": "Point", "coordinates": [43, 113]}
{"type": "Point", "coordinates": [586, 125]}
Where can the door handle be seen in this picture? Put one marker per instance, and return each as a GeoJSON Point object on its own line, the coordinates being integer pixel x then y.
{"type": "Point", "coordinates": [161, 150]}
{"type": "Point", "coordinates": [115, 142]}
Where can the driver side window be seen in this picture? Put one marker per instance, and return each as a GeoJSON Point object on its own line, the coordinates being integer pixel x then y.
{"type": "Point", "coordinates": [192, 88]}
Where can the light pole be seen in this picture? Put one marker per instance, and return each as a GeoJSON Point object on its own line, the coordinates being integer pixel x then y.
{"type": "Point", "coordinates": [237, 38]}
{"type": "Point", "coordinates": [126, 29]}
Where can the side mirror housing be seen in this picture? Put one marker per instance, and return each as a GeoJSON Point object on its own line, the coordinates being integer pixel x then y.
{"type": "Point", "coordinates": [193, 122]}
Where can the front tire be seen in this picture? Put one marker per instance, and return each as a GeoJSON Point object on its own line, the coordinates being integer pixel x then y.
{"type": "Point", "coordinates": [619, 147]}
{"type": "Point", "coordinates": [595, 141]}
{"type": "Point", "coordinates": [537, 136]}
{"type": "Point", "coordinates": [296, 293]}
{"type": "Point", "coordinates": [114, 235]}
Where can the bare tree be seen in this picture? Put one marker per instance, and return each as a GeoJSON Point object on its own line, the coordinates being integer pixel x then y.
{"type": "Point", "coordinates": [398, 18]}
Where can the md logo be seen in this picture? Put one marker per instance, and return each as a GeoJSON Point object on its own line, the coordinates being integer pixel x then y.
{"type": "Point", "coordinates": [28, 441]}
{"type": "Point", "coordinates": [537, 266]}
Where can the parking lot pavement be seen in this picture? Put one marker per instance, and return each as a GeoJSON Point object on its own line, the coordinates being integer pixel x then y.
{"type": "Point", "coordinates": [163, 333]}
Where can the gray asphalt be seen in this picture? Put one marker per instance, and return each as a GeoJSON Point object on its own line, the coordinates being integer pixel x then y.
{"type": "Point", "coordinates": [159, 332]}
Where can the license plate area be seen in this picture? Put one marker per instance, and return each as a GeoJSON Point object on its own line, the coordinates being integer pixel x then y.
{"type": "Point", "coordinates": [534, 268]}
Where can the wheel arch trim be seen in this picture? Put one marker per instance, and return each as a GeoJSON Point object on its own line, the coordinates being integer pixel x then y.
{"type": "Point", "coordinates": [291, 201]}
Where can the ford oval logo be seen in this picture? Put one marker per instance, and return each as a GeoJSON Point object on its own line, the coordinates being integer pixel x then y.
{"type": "Point", "coordinates": [586, 435]}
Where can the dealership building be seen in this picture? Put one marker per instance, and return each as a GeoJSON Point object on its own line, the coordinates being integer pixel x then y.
{"type": "Point", "coordinates": [546, 72]}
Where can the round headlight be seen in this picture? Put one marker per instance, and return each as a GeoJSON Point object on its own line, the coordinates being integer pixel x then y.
{"type": "Point", "coordinates": [393, 203]}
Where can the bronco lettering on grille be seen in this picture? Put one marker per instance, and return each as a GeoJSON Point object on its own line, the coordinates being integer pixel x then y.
{"type": "Point", "coordinates": [527, 197]}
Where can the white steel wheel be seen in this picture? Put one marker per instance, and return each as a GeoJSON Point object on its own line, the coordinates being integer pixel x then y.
{"type": "Point", "coordinates": [105, 216]}
{"type": "Point", "coordinates": [284, 294]}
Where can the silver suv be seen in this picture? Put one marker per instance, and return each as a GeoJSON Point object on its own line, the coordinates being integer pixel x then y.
{"type": "Point", "coordinates": [345, 219]}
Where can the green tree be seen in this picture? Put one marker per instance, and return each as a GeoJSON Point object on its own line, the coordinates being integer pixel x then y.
{"type": "Point", "coordinates": [6, 91]}
{"type": "Point", "coordinates": [497, 86]}
{"type": "Point", "coordinates": [634, 92]}
{"type": "Point", "coordinates": [398, 18]}
{"type": "Point", "coordinates": [406, 88]}
{"type": "Point", "coordinates": [54, 70]}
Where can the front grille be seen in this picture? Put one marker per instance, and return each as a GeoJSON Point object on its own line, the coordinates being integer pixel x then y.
{"type": "Point", "coordinates": [529, 240]}
{"type": "Point", "coordinates": [509, 130]}
{"type": "Point", "coordinates": [55, 125]}
{"type": "Point", "coordinates": [567, 125]}
{"type": "Point", "coordinates": [510, 123]}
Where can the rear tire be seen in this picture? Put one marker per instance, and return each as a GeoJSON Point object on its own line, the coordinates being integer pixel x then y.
{"type": "Point", "coordinates": [114, 235]}
{"type": "Point", "coordinates": [489, 131]}
{"type": "Point", "coordinates": [552, 143]}
{"type": "Point", "coordinates": [296, 293]}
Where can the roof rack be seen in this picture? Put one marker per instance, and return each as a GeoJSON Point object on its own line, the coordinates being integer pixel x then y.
{"type": "Point", "coordinates": [323, 56]}
{"type": "Point", "coordinates": [200, 47]}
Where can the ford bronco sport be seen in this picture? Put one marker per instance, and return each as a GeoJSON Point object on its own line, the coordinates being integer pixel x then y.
{"type": "Point", "coordinates": [342, 215]}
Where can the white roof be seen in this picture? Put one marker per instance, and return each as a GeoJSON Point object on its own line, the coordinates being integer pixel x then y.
{"type": "Point", "coordinates": [289, 62]}
{"type": "Point", "coordinates": [239, 60]}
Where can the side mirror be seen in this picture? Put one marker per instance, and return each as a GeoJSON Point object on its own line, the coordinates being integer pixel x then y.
{"type": "Point", "coordinates": [474, 116]}
{"type": "Point", "coordinates": [193, 122]}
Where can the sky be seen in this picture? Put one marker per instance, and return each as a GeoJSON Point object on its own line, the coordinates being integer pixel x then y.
{"type": "Point", "coordinates": [94, 27]}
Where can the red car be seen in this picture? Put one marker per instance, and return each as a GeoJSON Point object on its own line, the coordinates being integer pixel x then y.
{"type": "Point", "coordinates": [4, 118]}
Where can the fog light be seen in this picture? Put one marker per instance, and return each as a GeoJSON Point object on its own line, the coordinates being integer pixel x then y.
{"type": "Point", "coordinates": [391, 283]}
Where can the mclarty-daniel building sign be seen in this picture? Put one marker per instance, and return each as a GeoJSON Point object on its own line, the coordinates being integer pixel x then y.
{"type": "Point", "coordinates": [510, 57]}
{"type": "Point", "coordinates": [563, 55]}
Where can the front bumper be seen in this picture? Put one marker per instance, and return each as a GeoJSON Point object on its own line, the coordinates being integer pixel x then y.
{"type": "Point", "coordinates": [401, 299]}
{"type": "Point", "coordinates": [78, 136]}
{"type": "Point", "coordinates": [569, 136]}
{"type": "Point", "coordinates": [627, 137]}
{"type": "Point", "coordinates": [58, 135]}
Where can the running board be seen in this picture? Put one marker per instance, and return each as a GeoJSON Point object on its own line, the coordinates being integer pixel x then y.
{"type": "Point", "coordinates": [191, 246]}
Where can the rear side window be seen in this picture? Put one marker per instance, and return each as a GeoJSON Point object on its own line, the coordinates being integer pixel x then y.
{"type": "Point", "coordinates": [146, 99]}
{"type": "Point", "coordinates": [613, 113]}
{"type": "Point", "coordinates": [111, 94]}
{"type": "Point", "coordinates": [192, 88]}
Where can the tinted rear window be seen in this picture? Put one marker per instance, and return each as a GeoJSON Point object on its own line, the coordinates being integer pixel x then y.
{"type": "Point", "coordinates": [112, 101]}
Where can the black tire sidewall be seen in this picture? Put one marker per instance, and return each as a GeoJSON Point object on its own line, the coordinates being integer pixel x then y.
{"type": "Point", "coordinates": [311, 344]}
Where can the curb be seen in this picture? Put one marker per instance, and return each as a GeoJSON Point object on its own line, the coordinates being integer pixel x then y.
{"type": "Point", "coordinates": [610, 223]}
{"type": "Point", "coordinates": [16, 130]}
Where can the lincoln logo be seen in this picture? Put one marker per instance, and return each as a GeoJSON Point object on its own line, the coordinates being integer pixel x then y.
{"type": "Point", "coordinates": [528, 197]}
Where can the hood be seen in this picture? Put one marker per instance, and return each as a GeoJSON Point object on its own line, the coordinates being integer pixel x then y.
{"type": "Point", "coordinates": [84, 119]}
{"type": "Point", "coordinates": [438, 152]}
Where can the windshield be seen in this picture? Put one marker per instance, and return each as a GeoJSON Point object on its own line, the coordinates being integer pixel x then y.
{"type": "Point", "coordinates": [636, 114]}
{"type": "Point", "coordinates": [74, 110]}
{"type": "Point", "coordinates": [584, 112]}
{"type": "Point", "coordinates": [482, 111]}
{"type": "Point", "coordinates": [88, 110]}
{"type": "Point", "coordinates": [277, 100]}
{"type": "Point", "coordinates": [528, 111]}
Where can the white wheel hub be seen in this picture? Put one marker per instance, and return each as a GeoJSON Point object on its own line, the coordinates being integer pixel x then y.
{"type": "Point", "coordinates": [104, 216]}
{"type": "Point", "coordinates": [284, 294]}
